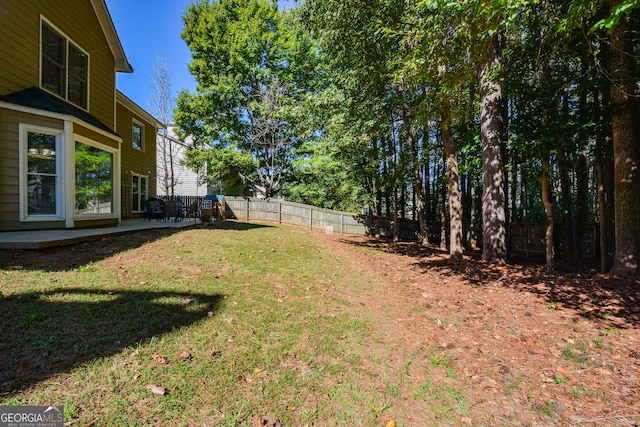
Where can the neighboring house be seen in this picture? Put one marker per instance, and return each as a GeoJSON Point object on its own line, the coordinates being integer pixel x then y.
{"type": "Point", "coordinates": [70, 145]}
{"type": "Point", "coordinates": [170, 156]}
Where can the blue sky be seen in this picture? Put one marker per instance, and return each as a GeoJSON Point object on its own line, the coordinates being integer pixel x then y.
{"type": "Point", "coordinates": [148, 29]}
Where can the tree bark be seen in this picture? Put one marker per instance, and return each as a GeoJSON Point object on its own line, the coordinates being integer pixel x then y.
{"type": "Point", "coordinates": [418, 196]}
{"type": "Point", "coordinates": [626, 149]}
{"type": "Point", "coordinates": [582, 178]}
{"type": "Point", "coordinates": [455, 202]}
{"type": "Point", "coordinates": [568, 219]}
{"type": "Point", "coordinates": [604, 171]}
{"type": "Point", "coordinates": [494, 237]}
{"type": "Point", "coordinates": [548, 208]}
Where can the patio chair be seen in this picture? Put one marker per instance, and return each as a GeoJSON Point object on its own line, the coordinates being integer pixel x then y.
{"type": "Point", "coordinates": [153, 209]}
{"type": "Point", "coordinates": [179, 210]}
{"type": "Point", "coordinates": [170, 209]}
{"type": "Point", "coordinates": [193, 211]}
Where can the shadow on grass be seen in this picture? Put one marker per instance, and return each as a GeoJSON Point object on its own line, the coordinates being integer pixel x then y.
{"type": "Point", "coordinates": [236, 225]}
{"type": "Point", "coordinates": [70, 257]}
{"type": "Point", "coordinates": [612, 299]}
{"type": "Point", "coordinates": [74, 256]}
{"type": "Point", "coordinates": [47, 333]}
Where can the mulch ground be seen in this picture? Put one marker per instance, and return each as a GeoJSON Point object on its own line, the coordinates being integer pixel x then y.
{"type": "Point", "coordinates": [529, 348]}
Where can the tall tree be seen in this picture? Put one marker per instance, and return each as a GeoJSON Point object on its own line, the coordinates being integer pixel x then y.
{"type": "Point", "coordinates": [161, 106]}
{"type": "Point", "coordinates": [243, 53]}
{"type": "Point", "coordinates": [494, 227]}
{"type": "Point", "coordinates": [626, 149]}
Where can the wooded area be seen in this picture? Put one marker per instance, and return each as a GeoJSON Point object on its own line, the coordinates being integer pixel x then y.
{"type": "Point", "coordinates": [479, 112]}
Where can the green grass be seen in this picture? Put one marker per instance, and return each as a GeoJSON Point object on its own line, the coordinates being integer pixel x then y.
{"type": "Point", "coordinates": [257, 308]}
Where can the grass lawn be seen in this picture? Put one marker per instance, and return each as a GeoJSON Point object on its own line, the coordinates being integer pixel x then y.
{"type": "Point", "coordinates": [239, 324]}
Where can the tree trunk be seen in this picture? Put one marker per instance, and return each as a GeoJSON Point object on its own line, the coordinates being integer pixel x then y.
{"type": "Point", "coordinates": [582, 179]}
{"type": "Point", "coordinates": [455, 202]}
{"type": "Point", "coordinates": [494, 236]}
{"type": "Point", "coordinates": [582, 168]}
{"type": "Point", "coordinates": [548, 208]}
{"type": "Point", "coordinates": [427, 190]}
{"type": "Point", "coordinates": [604, 170]}
{"type": "Point", "coordinates": [625, 148]}
{"type": "Point", "coordinates": [568, 219]}
{"type": "Point", "coordinates": [474, 223]}
{"type": "Point", "coordinates": [396, 220]}
{"type": "Point", "coordinates": [419, 201]}
{"type": "Point", "coordinates": [387, 179]}
{"type": "Point", "coordinates": [443, 216]}
{"type": "Point", "coordinates": [525, 215]}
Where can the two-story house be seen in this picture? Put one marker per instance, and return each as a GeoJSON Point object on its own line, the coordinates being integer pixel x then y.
{"type": "Point", "coordinates": [72, 148]}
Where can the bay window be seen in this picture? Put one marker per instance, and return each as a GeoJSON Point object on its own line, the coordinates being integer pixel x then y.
{"type": "Point", "coordinates": [94, 180]}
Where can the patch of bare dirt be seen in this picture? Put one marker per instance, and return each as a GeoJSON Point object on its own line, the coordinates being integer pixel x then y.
{"type": "Point", "coordinates": [523, 347]}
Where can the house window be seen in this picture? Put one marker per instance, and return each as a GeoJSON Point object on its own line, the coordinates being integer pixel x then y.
{"type": "Point", "coordinates": [94, 180]}
{"type": "Point", "coordinates": [64, 67]}
{"type": "Point", "coordinates": [40, 171]}
{"type": "Point", "coordinates": [140, 190]}
{"type": "Point", "coordinates": [137, 135]}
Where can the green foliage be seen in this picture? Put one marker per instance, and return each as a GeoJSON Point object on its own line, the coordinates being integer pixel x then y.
{"type": "Point", "coordinates": [318, 178]}
{"type": "Point", "coordinates": [243, 53]}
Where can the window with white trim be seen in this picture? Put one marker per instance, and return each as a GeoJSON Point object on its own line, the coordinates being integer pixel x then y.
{"type": "Point", "coordinates": [137, 135]}
{"type": "Point", "coordinates": [140, 191]}
{"type": "Point", "coordinates": [40, 171]}
{"type": "Point", "coordinates": [64, 67]}
{"type": "Point", "coordinates": [94, 180]}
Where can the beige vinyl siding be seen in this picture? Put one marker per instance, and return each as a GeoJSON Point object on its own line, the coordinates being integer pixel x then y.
{"type": "Point", "coordinates": [9, 173]}
{"type": "Point", "coordinates": [95, 136]}
{"type": "Point", "coordinates": [19, 49]}
{"type": "Point", "coordinates": [76, 19]}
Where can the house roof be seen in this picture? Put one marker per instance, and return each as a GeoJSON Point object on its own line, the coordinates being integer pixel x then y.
{"type": "Point", "coordinates": [109, 30]}
{"type": "Point", "coordinates": [39, 99]}
{"type": "Point", "coordinates": [121, 98]}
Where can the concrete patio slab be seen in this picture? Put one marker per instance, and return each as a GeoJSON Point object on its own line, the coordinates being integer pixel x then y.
{"type": "Point", "coordinates": [39, 239]}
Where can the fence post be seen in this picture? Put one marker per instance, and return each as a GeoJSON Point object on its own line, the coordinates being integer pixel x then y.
{"type": "Point", "coordinates": [341, 223]}
{"type": "Point", "coordinates": [279, 212]}
{"type": "Point", "coordinates": [247, 209]}
{"type": "Point", "coordinates": [310, 218]}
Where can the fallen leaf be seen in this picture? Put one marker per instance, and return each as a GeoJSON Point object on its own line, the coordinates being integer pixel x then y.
{"type": "Point", "coordinates": [155, 389]}
{"type": "Point", "coordinates": [187, 301]}
{"type": "Point", "coordinates": [391, 424]}
{"type": "Point", "coordinates": [466, 421]}
{"type": "Point", "coordinates": [161, 360]}
{"type": "Point", "coordinates": [137, 376]}
{"type": "Point", "coordinates": [560, 370]}
{"type": "Point", "coordinates": [267, 422]}
{"type": "Point", "coordinates": [90, 423]}
{"type": "Point", "coordinates": [184, 356]}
